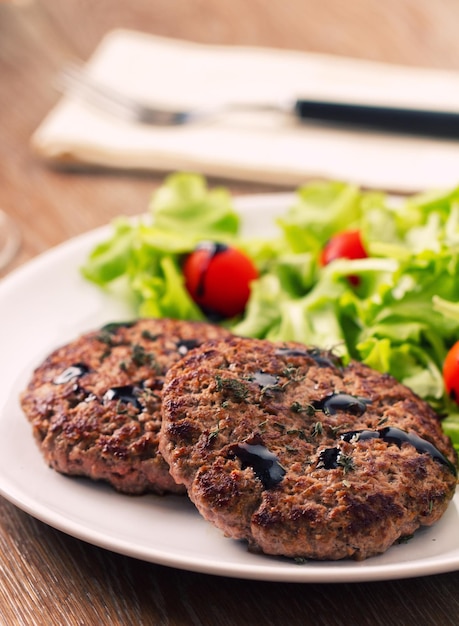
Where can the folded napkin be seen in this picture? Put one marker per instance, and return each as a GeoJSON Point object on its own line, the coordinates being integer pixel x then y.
{"type": "Point", "coordinates": [272, 148]}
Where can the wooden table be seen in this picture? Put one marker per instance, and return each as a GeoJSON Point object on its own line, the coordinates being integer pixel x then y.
{"type": "Point", "coordinates": [47, 577]}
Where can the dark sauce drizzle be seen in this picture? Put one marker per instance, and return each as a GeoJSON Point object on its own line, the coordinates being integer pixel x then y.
{"type": "Point", "coordinates": [264, 463]}
{"type": "Point", "coordinates": [263, 379]}
{"type": "Point", "coordinates": [213, 248]}
{"type": "Point", "coordinates": [334, 402]}
{"type": "Point", "coordinates": [314, 353]}
{"type": "Point", "coordinates": [71, 373]}
{"type": "Point", "coordinates": [128, 394]}
{"type": "Point", "coordinates": [399, 437]}
{"type": "Point", "coordinates": [328, 458]}
{"type": "Point", "coordinates": [79, 394]}
{"type": "Point", "coordinates": [292, 352]}
{"type": "Point", "coordinates": [185, 345]}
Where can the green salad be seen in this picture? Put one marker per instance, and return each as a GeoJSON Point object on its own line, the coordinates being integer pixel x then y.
{"type": "Point", "coordinates": [397, 309]}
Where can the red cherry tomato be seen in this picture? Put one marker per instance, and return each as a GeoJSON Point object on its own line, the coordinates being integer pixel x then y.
{"type": "Point", "coordinates": [347, 245]}
{"type": "Point", "coordinates": [218, 278]}
{"type": "Point", "coordinates": [451, 372]}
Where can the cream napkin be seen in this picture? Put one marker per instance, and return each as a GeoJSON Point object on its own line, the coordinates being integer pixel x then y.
{"type": "Point", "coordinates": [269, 148]}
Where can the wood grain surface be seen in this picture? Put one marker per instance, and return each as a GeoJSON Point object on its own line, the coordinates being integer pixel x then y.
{"type": "Point", "coordinates": [47, 577]}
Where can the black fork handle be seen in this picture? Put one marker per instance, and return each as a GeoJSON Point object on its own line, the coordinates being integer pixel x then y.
{"type": "Point", "coordinates": [386, 118]}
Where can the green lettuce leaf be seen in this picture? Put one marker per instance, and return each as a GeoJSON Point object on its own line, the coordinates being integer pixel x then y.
{"type": "Point", "coordinates": [146, 255]}
{"type": "Point", "coordinates": [186, 205]}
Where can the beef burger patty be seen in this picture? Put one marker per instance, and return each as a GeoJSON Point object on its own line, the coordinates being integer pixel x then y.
{"type": "Point", "coordinates": [94, 404]}
{"type": "Point", "coordinates": [283, 446]}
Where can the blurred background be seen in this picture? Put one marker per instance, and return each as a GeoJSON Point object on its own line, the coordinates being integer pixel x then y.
{"type": "Point", "coordinates": [39, 37]}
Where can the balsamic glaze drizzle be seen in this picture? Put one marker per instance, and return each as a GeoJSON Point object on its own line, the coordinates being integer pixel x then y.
{"type": "Point", "coordinates": [334, 402]}
{"type": "Point", "coordinates": [185, 345]}
{"type": "Point", "coordinates": [213, 248]}
{"type": "Point", "coordinates": [292, 352]}
{"type": "Point", "coordinates": [314, 353]}
{"type": "Point", "coordinates": [128, 394]}
{"type": "Point", "coordinates": [264, 379]}
{"type": "Point", "coordinates": [263, 462]}
{"type": "Point", "coordinates": [328, 458]}
{"type": "Point", "coordinates": [71, 373]}
{"type": "Point", "coordinates": [398, 437]}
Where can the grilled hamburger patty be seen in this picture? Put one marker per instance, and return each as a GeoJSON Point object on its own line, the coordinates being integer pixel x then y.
{"type": "Point", "coordinates": [94, 404]}
{"type": "Point", "coordinates": [281, 445]}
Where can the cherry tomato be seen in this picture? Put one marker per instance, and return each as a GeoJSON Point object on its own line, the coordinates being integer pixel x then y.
{"type": "Point", "coordinates": [451, 372]}
{"type": "Point", "coordinates": [218, 278]}
{"type": "Point", "coordinates": [347, 245]}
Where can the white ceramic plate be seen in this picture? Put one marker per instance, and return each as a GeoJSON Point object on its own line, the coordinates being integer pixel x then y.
{"type": "Point", "coordinates": [46, 303]}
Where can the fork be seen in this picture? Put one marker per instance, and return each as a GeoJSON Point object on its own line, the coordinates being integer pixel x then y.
{"type": "Point", "coordinates": [75, 81]}
{"type": "Point", "coordinates": [420, 121]}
